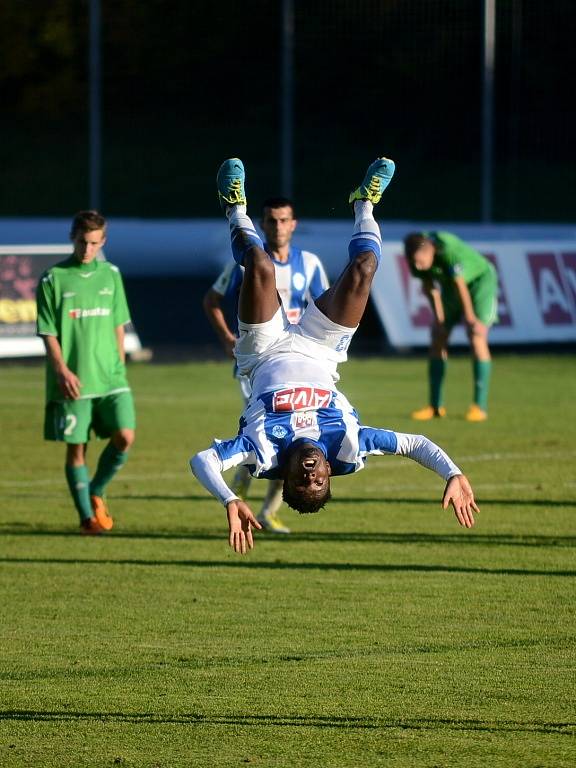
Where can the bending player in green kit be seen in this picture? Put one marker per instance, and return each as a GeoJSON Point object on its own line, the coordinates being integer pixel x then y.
{"type": "Point", "coordinates": [82, 311]}
{"type": "Point", "coordinates": [459, 283]}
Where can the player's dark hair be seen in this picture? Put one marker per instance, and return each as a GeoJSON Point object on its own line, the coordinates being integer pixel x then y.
{"type": "Point", "coordinates": [279, 202]}
{"type": "Point", "coordinates": [87, 221]}
{"type": "Point", "coordinates": [413, 242]}
{"type": "Point", "coordinates": [303, 503]}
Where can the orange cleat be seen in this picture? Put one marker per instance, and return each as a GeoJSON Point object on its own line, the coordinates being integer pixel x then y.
{"type": "Point", "coordinates": [428, 413]}
{"type": "Point", "coordinates": [100, 509]}
{"type": "Point", "coordinates": [475, 413]}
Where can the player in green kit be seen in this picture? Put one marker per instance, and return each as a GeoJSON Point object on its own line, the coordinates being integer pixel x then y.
{"type": "Point", "coordinates": [459, 283]}
{"type": "Point", "coordinates": [82, 311]}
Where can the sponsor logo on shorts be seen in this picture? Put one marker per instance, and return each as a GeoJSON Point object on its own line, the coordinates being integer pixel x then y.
{"type": "Point", "coordinates": [300, 399]}
{"type": "Point", "coordinates": [68, 294]}
{"type": "Point", "coordinates": [106, 292]}
{"type": "Point", "coordinates": [76, 314]}
{"type": "Point", "coordinates": [279, 431]}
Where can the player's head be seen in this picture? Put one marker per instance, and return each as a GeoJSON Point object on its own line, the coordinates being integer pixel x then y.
{"type": "Point", "coordinates": [278, 221]}
{"type": "Point", "coordinates": [419, 250]}
{"type": "Point", "coordinates": [306, 478]}
{"type": "Point", "coordinates": [88, 234]}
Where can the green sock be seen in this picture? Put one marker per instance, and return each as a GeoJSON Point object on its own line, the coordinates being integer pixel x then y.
{"type": "Point", "coordinates": [436, 373]}
{"type": "Point", "coordinates": [482, 370]}
{"type": "Point", "coordinates": [78, 480]}
{"type": "Point", "coordinates": [110, 461]}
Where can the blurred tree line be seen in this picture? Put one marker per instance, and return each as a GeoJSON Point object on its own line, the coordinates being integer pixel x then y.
{"type": "Point", "coordinates": [185, 84]}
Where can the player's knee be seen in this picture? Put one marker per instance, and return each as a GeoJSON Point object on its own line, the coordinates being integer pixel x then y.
{"type": "Point", "coordinates": [258, 265]}
{"type": "Point", "coordinates": [123, 439]}
{"type": "Point", "coordinates": [363, 267]}
{"type": "Point", "coordinates": [75, 454]}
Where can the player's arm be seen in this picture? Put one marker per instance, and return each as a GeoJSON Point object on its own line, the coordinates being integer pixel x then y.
{"type": "Point", "coordinates": [419, 448]}
{"type": "Point", "coordinates": [68, 382]}
{"type": "Point", "coordinates": [212, 304]}
{"type": "Point", "coordinates": [468, 311]}
{"type": "Point", "coordinates": [207, 468]}
{"type": "Point", "coordinates": [120, 337]}
{"type": "Point", "coordinates": [434, 297]}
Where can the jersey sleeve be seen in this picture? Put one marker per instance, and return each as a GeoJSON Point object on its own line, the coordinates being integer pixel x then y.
{"type": "Point", "coordinates": [121, 311]}
{"type": "Point", "coordinates": [415, 447]}
{"type": "Point", "coordinates": [233, 452]}
{"type": "Point", "coordinates": [228, 281]}
{"type": "Point", "coordinates": [318, 281]}
{"type": "Point", "coordinates": [207, 469]}
{"type": "Point", "coordinates": [45, 301]}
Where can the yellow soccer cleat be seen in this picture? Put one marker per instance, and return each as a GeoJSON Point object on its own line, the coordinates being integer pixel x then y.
{"type": "Point", "coordinates": [475, 413]}
{"type": "Point", "coordinates": [272, 523]}
{"type": "Point", "coordinates": [428, 413]}
{"type": "Point", "coordinates": [100, 509]}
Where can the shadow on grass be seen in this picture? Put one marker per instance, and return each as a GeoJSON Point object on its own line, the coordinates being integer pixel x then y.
{"type": "Point", "coordinates": [460, 538]}
{"type": "Point", "coordinates": [248, 564]}
{"type": "Point", "coordinates": [356, 500]}
{"type": "Point", "coordinates": [298, 721]}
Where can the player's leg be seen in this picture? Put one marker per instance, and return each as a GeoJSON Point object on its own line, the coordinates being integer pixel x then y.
{"type": "Point", "coordinates": [114, 417]}
{"type": "Point", "coordinates": [78, 480]}
{"type": "Point", "coordinates": [258, 301]}
{"type": "Point", "coordinates": [437, 365]}
{"type": "Point", "coordinates": [484, 295]}
{"type": "Point", "coordinates": [69, 421]}
{"type": "Point", "coordinates": [345, 301]}
{"type": "Point", "coordinates": [268, 516]}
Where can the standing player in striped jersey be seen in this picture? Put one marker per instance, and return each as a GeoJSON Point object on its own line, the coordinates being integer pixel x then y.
{"type": "Point", "coordinates": [300, 278]}
{"type": "Point", "coordinates": [297, 426]}
{"type": "Point", "coordinates": [82, 311]}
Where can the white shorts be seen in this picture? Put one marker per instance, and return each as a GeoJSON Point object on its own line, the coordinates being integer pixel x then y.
{"type": "Point", "coordinates": [315, 337]}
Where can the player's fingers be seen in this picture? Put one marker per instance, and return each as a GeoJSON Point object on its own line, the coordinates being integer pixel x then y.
{"type": "Point", "coordinates": [250, 539]}
{"type": "Point", "coordinates": [255, 523]}
{"type": "Point", "coordinates": [465, 516]}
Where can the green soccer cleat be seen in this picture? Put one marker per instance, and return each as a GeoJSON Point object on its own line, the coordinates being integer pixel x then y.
{"type": "Point", "coordinates": [230, 183]}
{"type": "Point", "coordinates": [377, 178]}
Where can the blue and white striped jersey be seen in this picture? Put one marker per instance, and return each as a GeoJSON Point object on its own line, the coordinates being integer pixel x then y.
{"type": "Point", "coordinates": [298, 280]}
{"type": "Point", "coordinates": [274, 421]}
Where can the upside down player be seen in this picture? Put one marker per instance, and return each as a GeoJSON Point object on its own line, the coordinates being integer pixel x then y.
{"type": "Point", "coordinates": [297, 426]}
{"type": "Point", "coordinates": [300, 278]}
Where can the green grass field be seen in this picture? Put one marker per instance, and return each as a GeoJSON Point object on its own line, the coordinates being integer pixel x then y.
{"type": "Point", "coordinates": [379, 633]}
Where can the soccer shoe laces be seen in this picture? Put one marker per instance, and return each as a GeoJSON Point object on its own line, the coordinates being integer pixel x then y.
{"type": "Point", "coordinates": [373, 189]}
{"type": "Point", "coordinates": [235, 193]}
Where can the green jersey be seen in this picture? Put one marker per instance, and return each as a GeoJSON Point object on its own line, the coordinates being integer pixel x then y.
{"type": "Point", "coordinates": [82, 305]}
{"type": "Point", "coordinates": [453, 258]}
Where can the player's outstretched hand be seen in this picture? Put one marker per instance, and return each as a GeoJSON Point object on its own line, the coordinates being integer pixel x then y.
{"type": "Point", "coordinates": [458, 492]}
{"type": "Point", "coordinates": [240, 523]}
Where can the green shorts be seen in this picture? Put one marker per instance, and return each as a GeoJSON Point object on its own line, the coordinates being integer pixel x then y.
{"type": "Point", "coordinates": [484, 295]}
{"type": "Point", "coordinates": [71, 420]}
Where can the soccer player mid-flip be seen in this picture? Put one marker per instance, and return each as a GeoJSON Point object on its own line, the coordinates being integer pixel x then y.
{"type": "Point", "coordinates": [297, 426]}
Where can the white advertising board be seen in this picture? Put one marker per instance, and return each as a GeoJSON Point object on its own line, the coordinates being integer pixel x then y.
{"type": "Point", "coordinates": [536, 302]}
{"type": "Point", "coordinates": [20, 269]}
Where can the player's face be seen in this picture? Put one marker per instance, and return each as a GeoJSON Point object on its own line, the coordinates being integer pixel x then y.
{"type": "Point", "coordinates": [278, 224]}
{"type": "Point", "coordinates": [87, 245]}
{"type": "Point", "coordinates": [424, 257]}
{"type": "Point", "coordinates": [307, 471]}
